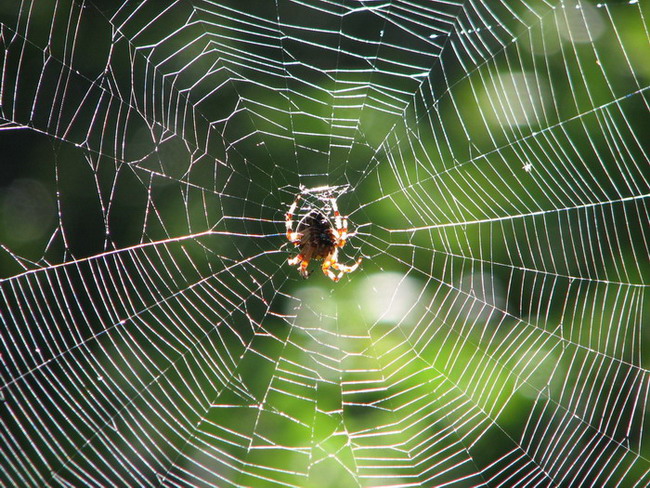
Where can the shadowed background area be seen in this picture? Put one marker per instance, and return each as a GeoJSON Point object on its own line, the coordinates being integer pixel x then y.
{"type": "Point", "coordinates": [492, 159]}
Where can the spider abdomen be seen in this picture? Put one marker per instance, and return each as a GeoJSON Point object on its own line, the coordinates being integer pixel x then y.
{"type": "Point", "coordinates": [319, 243]}
{"type": "Point", "coordinates": [317, 238]}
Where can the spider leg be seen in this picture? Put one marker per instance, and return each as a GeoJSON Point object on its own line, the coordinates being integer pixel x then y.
{"type": "Point", "coordinates": [302, 264]}
{"type": "Point", "coordinates": [341, 224]}
{"type": "Point", "coordinates": [295, 260]}
{"type": "Point", "coordinates": [337, 215]}
{"type": "Point", "coordinates": [303, 268]}
{"type": "Point", "coordinates": [293, 237]}
{"type": "Point", "coordinates": [344, 268]}
{"type": "Point", "coordinates": [327, 264]}
{"type": "Point", "coordinates": [343, 236]}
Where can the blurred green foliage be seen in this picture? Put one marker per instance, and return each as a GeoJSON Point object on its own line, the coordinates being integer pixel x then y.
{"type": "Point", "coordinates": [504, 203]}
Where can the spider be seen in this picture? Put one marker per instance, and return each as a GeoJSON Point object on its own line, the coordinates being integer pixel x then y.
{"type": "Point", "coordinates": [316, 238]}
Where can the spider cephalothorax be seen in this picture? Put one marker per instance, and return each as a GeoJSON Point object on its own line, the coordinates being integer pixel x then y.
{"type": "Point", "coordinates": [317, 238]}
